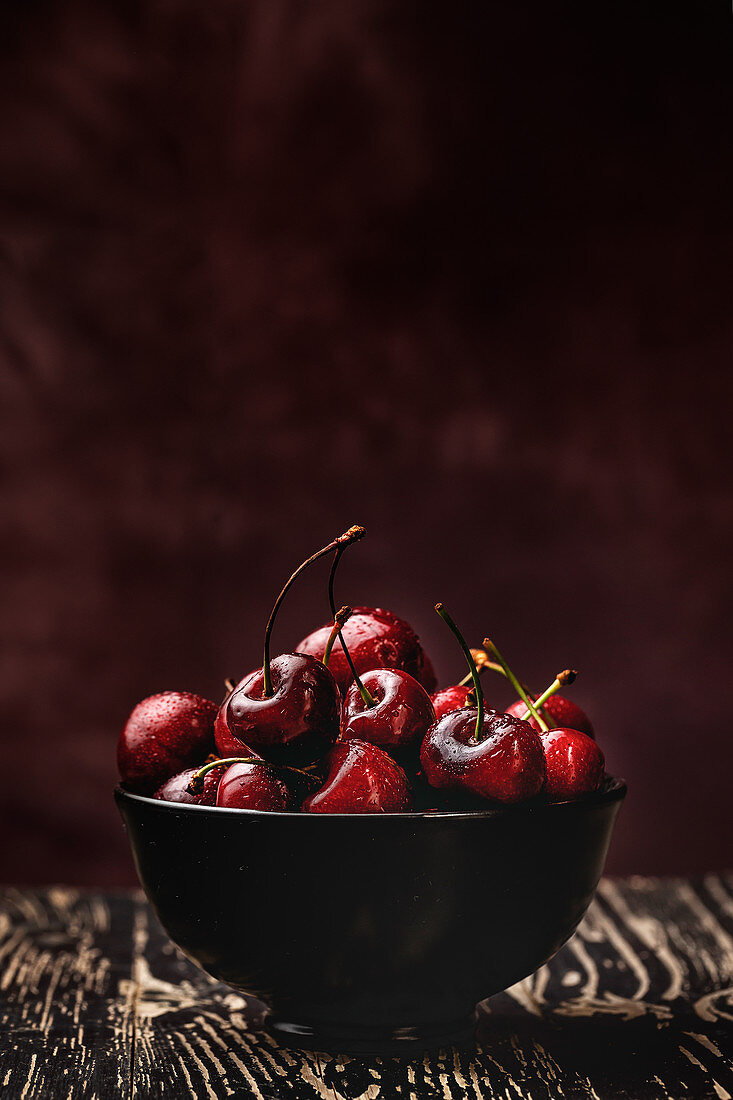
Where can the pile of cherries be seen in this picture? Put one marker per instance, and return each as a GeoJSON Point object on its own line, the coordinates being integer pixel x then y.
{"type": "Point", "coordinates": [346, 724]}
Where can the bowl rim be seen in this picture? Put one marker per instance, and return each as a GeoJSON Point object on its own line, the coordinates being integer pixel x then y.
{"type": "Point", "coordinates": [612, 790]}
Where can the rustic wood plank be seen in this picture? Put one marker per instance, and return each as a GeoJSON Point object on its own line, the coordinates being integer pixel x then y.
{"type": "Point", "coordinates": [66, 996]}
{"type": "Point", "coordinates": [98, 1002]}
{"type": "Point", "coordinates": [198, 1035]}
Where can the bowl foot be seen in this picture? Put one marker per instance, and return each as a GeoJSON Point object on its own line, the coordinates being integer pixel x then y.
{"type": "Point", "coordinates": [338, 1038]}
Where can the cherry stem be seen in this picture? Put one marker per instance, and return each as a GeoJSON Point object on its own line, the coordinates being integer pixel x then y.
{"type": "Point", "coordinates": [561, 680]}
{"type": "Point", "coordinates": [332, 578]}
{"type": "Point", "coordinates": [339, 619]}
{"type": "Point", "coordinates": [352, 535]}
{"type": "Point", "coordinates": [519, 688]}
{"type": "Point", "coordinates": [482, 662]}
{"type": "Point", "coordinates": [472, 667]}
{"type": "Point", "coordinates": [369, 700]}
{"type": "Point", "coordinates": [230, 684]}
{"type": "Point", "coordinates": [196, 782]}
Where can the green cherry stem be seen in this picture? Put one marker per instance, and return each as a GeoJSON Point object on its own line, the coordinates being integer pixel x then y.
{"type": "Point", "coordinates": [482, 662]}
{"type": "Point", "coordinates": [494, 652]}
{"type": "Point", "coordinates": [340, 618]}
{"type": "Point", "coordinates": [561, 680]}
{"type": "Point", "coordinates": [352, 535]}
{"type": "Point", "coordinates": [481, 658]}
{"type": "Point", "coordinates": [472, 666]}
{"type": "Point", "coordinates": [196, 782]}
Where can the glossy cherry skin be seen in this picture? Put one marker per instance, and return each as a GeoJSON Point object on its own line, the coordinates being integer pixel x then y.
{"type": "Point", "coordinates": [176, 789]}
{"type": "Point", "coordinates": [297, 724]}
{"type": "Point", "coordinates": [507, 765]}
{"type": "Point", "coordinates": [253, 787]}
{"type": "Point", "coordinates": [574, 762]}
{"type": "Point", "coordinates": [361, 779]}
{"type": "Point", "coordinates": [226, 743]}
{"type": "Point", "coordinates": [402, 715]}
{"type": "Point", "coordinates": [562, 710]}
{"type": "Point", "coordinates": [376, 638]}
{"type": "Point", "coordinates": [450, 698]}
{"type": "Point", "coordinates": [164, 734]}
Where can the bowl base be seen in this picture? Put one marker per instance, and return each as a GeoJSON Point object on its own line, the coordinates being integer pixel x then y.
{"type": "Point", "coordinates": [374, 1039]}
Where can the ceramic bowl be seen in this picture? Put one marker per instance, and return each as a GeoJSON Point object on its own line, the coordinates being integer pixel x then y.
{"type": "Point", "coordinates": [371, 933]}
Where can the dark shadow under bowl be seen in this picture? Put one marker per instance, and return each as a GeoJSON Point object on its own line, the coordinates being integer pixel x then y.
{"type": "Point", "coordinates": [371, 933]}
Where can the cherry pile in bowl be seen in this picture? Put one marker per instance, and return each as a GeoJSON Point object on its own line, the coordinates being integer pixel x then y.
{"type": "Point", "coordinates": [351, 722]}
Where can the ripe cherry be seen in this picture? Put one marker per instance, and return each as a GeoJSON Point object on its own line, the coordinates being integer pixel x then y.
{"type": "Point", "coordinates": [250, 783]}
{"type": "Point", "coordinates": [452, 698]}
{"type": "Point", "coordinates": [376, 638]}
{"type": "Point", "coordinates": [176, 789]}
{"type": "Point", "coordinates": [362, 779]}
{"type": "Point", "coordinates": [473, 749]}
{"type": "Point", "coordinates": [253, 787]}
{"type": "Point", "coordinates": [563, 712]}
{"type": "Point", "coordinates": [288, 711]}
{"type": "Point", "coordinates": [164, 734]}
{"type": "Point", "coordinates": [575, 763]}
{"type": "Point", "coordinates": [386, 706]}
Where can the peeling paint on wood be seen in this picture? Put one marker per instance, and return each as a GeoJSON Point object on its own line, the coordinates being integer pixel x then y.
{"type": "Point", "coordinates": [95, 1002]}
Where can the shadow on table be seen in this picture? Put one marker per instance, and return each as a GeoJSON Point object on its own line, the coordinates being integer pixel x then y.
{"type": "Point", "coordinates": [661, 1049]}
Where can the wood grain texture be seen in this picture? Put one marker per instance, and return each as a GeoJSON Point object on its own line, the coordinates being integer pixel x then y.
{"type": "Point", "coordinates": [67, 1001]}
{"type": "Point", "coordinates": [97, 1003]}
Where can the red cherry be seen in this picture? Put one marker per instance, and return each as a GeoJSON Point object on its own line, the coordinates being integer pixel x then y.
{"type": "Point", "coordinates": [362, 779]}
{"type": "Point", "coordinates": [385, 707]}
{"type": "Point", "coordinates": [253, 787]}
{"type": "Point", "coordinates": [297, 723]}
{"type": "Point", "coordinates": [567, 713]}
{"type": "Point", "coordinates": [226, 743]}
{"type": "Point", "coordinates": [506, 764]}
{"type": "Point", "coordinates": [400, 715]}
{"type": "Point", "coordinates": [289, 709]}
{"type": "Point", "coordinates": [575, 763]}
{"type": "Point", "coordinates": [489, 754]}
{"type": "Point", "coordinates": [176, 789]}
{"type": "Point", "coordinates": [450, 698]}
{"type": "Point", "coordinates": [376, 638]}
{"type": "Point", "coordinates": [563, 711]}
{"type": "Point", "coordinates": [531, 707]}
{"type": "Point", "coordinates": [164, 734]}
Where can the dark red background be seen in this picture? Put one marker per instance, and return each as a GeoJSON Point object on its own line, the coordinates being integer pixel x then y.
{"type": "Point", "coordinates": [459, 272]}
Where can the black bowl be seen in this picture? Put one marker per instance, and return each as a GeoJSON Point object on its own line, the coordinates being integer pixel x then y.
{"type": "Point", "coordinates": [371, 932]}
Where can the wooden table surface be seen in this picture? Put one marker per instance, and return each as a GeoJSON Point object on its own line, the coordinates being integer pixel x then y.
{"type": "Point", "coordinates": [97, 1003]}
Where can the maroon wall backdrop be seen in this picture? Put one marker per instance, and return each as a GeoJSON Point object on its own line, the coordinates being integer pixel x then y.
{"type": "Point", "coordinates": [459, 272]}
